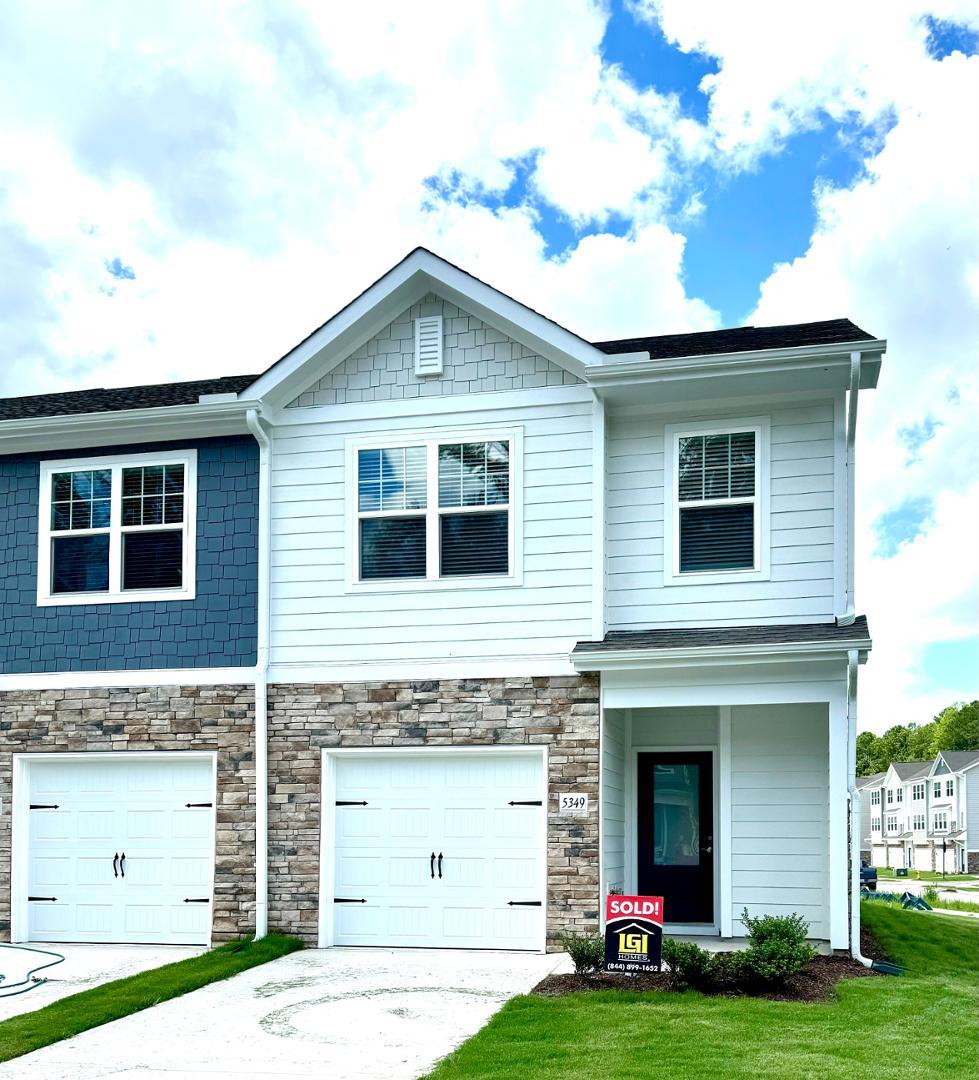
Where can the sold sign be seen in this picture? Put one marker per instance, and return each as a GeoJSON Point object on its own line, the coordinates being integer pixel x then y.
{"type": "Point", "coordinates": [633, 933]}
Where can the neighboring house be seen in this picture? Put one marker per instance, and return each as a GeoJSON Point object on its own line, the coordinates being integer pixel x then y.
{"type": "Point", "coordinates": [434, 633]}
{"type": "Point", "coordinates": [869, 789]}
{"type": "Point", "coordinates": [923, 815]}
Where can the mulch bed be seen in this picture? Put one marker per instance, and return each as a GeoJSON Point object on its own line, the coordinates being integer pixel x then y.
{"type": "Point", "coordinates": [816, 982]}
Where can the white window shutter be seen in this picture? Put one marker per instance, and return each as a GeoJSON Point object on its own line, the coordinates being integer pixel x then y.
{"type": "Point", "coordinates": [428, 345]}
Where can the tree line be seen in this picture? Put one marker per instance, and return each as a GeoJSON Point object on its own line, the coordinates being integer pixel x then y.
{"type": "Point", "coordinates": [954, 728]}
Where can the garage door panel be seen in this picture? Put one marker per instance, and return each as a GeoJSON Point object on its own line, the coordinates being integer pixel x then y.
{"type": "Point", "coordinates": [455, 804]}
{"type": "Point", "coordinates": [111, 806]}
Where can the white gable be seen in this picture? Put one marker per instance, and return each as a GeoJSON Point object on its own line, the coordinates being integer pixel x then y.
{"type": "Point", "coordinates": [476, 358]}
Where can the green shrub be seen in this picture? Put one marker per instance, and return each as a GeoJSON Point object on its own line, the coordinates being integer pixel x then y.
{"type": "Point", "coordinates": [727, 972]}
{"type": "Point", "coordinates": [689, 965]}
{"type": "Point", "coordinates": [587, 952]}
{"type": "Point", "coordinates": [777, 950]}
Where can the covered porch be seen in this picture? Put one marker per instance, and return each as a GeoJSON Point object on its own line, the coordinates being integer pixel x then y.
{"type": "Point", "coordinates": [725, 786]}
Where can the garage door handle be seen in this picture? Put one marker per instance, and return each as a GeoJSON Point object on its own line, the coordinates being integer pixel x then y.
{"type": "Point", "coordinates": [122, 865]}
{"type": "Point", "coordinates": [115, 865]}
{"type": "Point", "coordinates": [440, 866]}
{"type": "Point", "coordinates": [432, 865]}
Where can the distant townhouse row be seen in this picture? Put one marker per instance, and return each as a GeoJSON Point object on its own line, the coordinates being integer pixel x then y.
{"type": "Point", "coordinates": [923, 815]}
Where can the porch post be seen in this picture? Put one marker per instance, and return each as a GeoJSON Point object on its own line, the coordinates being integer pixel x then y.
{"type": "Point", "coordinates": [838, 854]}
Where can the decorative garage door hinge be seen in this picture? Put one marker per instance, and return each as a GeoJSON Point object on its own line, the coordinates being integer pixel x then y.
{"type": "Point", "coordinates": [525, 802]}
{"type": "Point", "coordinates": [347, 900]}
{"type": "Point", "coordinates": [42, 898]}
{"type": "Point", "coordinates": [351, 802]}
{"type": "Point", "coordinates": [189, 805]}
{"type": "Point", "coordinates": [523, 903]}
{"type": "Point", "coordinates": [197, 899]}
{"type": "Point", "coordinates": [43, 806]}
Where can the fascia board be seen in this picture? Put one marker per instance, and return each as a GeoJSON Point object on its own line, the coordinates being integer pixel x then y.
{"type": "Point", "coordinates": [421, 273]}
{"type": "Point", "coordinates": [759, 361]}
{"type": "Point", "coordinates": [40, 434]}
{"type": "Point", "coordinates": [610, 659]}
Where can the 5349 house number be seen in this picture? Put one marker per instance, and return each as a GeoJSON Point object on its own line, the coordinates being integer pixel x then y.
{"type": "Point", "coordinates": [573, 804]}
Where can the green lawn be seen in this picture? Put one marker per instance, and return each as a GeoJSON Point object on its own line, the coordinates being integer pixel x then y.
{"type": "Point", "coordinates": [71, 1015]}
{"type": "Point", "coordinates": [919, 1025]}
{"type": "Point", "coordinates": [924, 875]}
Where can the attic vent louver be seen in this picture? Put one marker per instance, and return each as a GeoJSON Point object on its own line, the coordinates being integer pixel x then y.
{"type": "Point", "coordinates": [428, 345]}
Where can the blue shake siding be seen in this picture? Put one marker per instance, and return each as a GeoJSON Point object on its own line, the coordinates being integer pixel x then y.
{"type": "Point", "coordinates": [215, 629]}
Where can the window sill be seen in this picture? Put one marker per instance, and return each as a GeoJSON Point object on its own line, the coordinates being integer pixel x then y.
{"type": "Point", "coordinates": [716, 577]}
{"type": "Point", "coordinates": [135, 596]}
{"type": "Point", "coordinates": [396, 585]}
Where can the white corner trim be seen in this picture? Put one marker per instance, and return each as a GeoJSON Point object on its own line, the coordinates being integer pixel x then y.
{"type": "Point", "coordinates": [726, 884]}
{"type": "Point", "coordinates": [762, 570]}
{"type": "Point", "coordinates": [599, 563]}
{"type": "Point", "coordinates": [115, 593]}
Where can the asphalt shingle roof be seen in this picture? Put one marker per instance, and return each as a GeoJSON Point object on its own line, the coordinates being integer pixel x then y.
{"type": "Point", "coordinates": [957, 760]}
{"type": "Point", "coordinates": [125, 397]}
{"type": "Point", "coordinates": [912, 770]}
{"type": "Point", "coordinates": [740, 339]}
{"type": "Point", "coordinates": [796, 633]}
{"type": "Point", "coordinates": [866, 781]}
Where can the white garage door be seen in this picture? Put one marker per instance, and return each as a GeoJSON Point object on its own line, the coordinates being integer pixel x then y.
{"type": "Point", "coordinates": [121, 850]}
{"type": "Point", "coordinates": [439, 850]}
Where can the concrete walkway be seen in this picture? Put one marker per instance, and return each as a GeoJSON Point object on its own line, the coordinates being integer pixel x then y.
{"type": "Point", "coordinates": [348, 1014]}
{"type": "Point", "coordinates": [84, 966]}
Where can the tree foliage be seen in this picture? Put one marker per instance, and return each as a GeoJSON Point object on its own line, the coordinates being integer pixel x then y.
{"type": "Point", "coordinates": [954, 728]}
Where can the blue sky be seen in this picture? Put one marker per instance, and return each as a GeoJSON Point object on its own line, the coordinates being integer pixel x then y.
{"type": "Point", "coordinates": [189, 196]}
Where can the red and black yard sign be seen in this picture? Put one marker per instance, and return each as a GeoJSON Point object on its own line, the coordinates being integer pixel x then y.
{"type": "Point", "coordinates": [633, 933]}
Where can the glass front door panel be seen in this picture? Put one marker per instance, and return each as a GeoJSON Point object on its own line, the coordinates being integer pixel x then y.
{"type": "Point", "coordinates": [676, 815]}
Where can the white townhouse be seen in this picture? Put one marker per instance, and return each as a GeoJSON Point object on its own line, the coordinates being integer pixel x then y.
{"type": "Point", "coordinates": [527, 619]}
{"type": "Point", "coordinates": [924, 815]}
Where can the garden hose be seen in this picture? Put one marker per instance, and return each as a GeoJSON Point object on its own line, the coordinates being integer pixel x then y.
{"type": "Point", "coordinates": [31, 981]}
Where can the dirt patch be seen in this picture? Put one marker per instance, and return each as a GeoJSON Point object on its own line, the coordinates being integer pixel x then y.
{"type": "Point", "coordinates": [816, 982]}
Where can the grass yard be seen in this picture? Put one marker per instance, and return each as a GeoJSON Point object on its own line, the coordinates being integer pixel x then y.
{"type": "Point", "coordinates": [919, 1025]}
{"type": "Point", "coordinates": [953, 905]}
{"type": "Point", "coordinates": [924, 875]}
{"type": "Point", "coordinates": [110, 1001]}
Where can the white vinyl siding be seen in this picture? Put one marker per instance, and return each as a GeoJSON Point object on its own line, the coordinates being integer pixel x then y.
{"type": "Point", "coordinates": [800, 586]}
{"type": "Point", "coordinates": [971, 781]}
{"type": "Point", "coordinates": [780, 813]}
{"type": "Point", "coordinates": [614, 809]}
{"type": "Point", "coordinates": [318, 620]}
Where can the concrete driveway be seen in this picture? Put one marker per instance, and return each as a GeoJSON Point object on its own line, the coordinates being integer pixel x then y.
{"type": "Point", "coordinates": [349, 1014]}
{"type": "Point", "coordinates": [84, 966]}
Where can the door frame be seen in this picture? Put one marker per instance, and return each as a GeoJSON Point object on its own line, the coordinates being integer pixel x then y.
{"type": "Point", "coordinates": [328, 816]}
{"type": "Point", "coordinates": [632, 829]}
{"type": "Point", "coordinates": [20, 823]}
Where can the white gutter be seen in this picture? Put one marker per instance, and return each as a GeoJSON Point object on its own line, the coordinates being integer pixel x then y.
{"type": "Point", "coordinates": [849, 612]}
{"type": "Point", "coordinates": [794, 651]}
{"type": "Point", "coordinates": [257, 429]}
{"type": "Point", "coordinates": [852, 666]}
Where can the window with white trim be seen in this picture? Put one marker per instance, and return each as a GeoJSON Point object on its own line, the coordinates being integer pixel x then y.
{"type": "Point", "coordinates": [875, 798]}
{"type": "Point", "coordinates": [890, 796]}
{"type": "Point", "coordinates": [918, 821]}
{"type": "Point", "coordinates": [434, 510]}
{"type": "Point", "coordinates": [899, 795]}
{"type": "Point", "coordinates": [937, 789]}
{"type": "Point", "coordinates": [917, 792]}
{"type": "Point", "coordinates": [939, 821]}
{"type": "Point", "coordinates": [117, 529]}
{"type": "Point", "coordinates": [949, 788]}
{"type": "Point", "coordinates": [875, 824]}
{"type": "Point", "coordinates": [892, 824]}
{"type": "Point", "coordinates": [717, 488]}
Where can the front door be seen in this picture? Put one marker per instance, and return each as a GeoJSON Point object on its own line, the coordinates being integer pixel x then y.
{"type": "Point", "coordinates": [675, 833]}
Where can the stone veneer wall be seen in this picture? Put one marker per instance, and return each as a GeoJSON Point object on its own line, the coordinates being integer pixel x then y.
{"type": "Point", "coordinates": [562, 712]}
{"type": "Point", "coordinates": [219, 718]}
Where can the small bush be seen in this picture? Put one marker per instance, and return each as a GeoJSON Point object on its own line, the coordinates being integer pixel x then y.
{"type": "Point", "coordinates": [689, 965]}
{"type": "Point", "coordinates": [587, 952]}
{"type": "Point", "coordinates": [727, 972]}
{"type": "Point", "coordinates": [777, 949]}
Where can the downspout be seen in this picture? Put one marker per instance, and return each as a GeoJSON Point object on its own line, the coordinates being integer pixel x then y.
{"type": "Point", "coordinates": [852, 662]}
{"type": "Point", "coordinates": [257, 429]}
{"type": "Point", "coordinates": [849, 613]}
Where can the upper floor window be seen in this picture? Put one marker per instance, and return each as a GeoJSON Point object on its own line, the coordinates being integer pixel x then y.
{"type": "Point", "coordinates": [430, 511]}
{"type": "Point", "coordinates": [890, 795]}
{"type": "Point", "coordinates": [875, 824]}
{"type": "Point", "coordinates": [892, 824]}
{"type": "Point", "coordinates": [949, 788]}
{"type": "Point", "coordinates": [717, 483]}
{"type": "Point", "coordinates": [937, 789]}
{"type": "Point", "coordinates": [939, 821]}
{"type": "Point", "coordinates": [875, 798]}
{"type": "Point", "coordinates": [917, 792]}
{"type": "Point", "coordinates": [899, 795]}
{"type": "Point", "coordinates": [918, 822]}
{"type": "Point", "coordinates": [117, 529]}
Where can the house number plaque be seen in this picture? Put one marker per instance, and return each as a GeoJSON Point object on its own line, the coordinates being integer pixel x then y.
{"type": "Point", "coordinates": [570, 803]}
